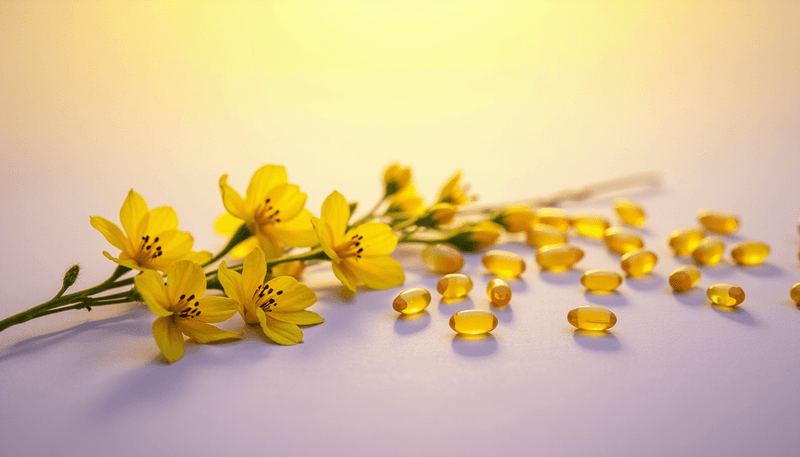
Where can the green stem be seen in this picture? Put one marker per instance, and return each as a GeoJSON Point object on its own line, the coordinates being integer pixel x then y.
{"type": "Point", "coordinates": [242, 233]}
{"type": "Point", "coordinates": [369, 216]}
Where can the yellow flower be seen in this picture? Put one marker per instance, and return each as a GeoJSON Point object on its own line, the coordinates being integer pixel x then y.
{"type": "Point", "coordinates": [272, 209]}
{"type": "Point", "coordinates": [475, 237]}
{"type": "Point", "coordinates": [453, 192]}
{"type": "Point", "coordinates": [151, 240]}
{"type": "Point", "coordinates": [358, 254]}
{"type": "Point", "coordinates": [406, 201]}
{"type": "Point", "coordinates": [227, 225]}
{"type": "Point", "coordinates": [396, 178]}
{"type": "Point", "coordinates": [514, 218]}
{"type": "Point", "coordinates": [279, 305]}
{"type": "Point", "coordinates": [182, 309]}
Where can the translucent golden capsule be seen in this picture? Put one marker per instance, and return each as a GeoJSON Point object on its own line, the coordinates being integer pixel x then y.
{"type": "Point", "coordinates": [454, 285]}
{"type": "Point", "coordinates": [504, 263]}
{"type": "Point", "coordinates": [412, 301]}
{"type": "Point", "coordinates": [629, 212]}
{"type": "Point", "coordinates": [621, 240]}
{"type": "Point", "coordinates": [638, 262]}
{"type": "Point", "coordinates": [709, 251]}
{"type": "Point", "coordinates": [555, 217]}
{"type": "Point", "coordinates": [594, 318]}
{"type": "Point", "coordinates": [540, 235]}
{"type": "Point", "coordinates": [601, 280]}
{"type": "Point", "coordinates": [725, 294]}
{"type": "Point", "coordinates": [718, 221]}
{"type": "Point", "coordinates": [684, 278]}
{"type": "Point", "coordinates": [749, 252]}
{"type": "Point", "coordinates": [442, 258]}
{"type": "Point", "coordinates": [558, 257]}
{"type": "Point", "coordinates": [684, 241]}
{"type": "Point", "coordinates": [499, 292]}
{"type": "Point", "coordinates": [590, 225]}
{"type": "Point", "coordinates": [794, 292]}
{"type": "Point", "coordinates": [473, 322]}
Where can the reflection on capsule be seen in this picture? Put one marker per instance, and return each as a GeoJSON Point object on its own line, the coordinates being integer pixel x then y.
{"type": "Point", "coordinates": [473, 322]}
{"type": "Point", "coordinates": [412, 301]}
{"type": "Point", "coordinates": [504, 263]}
{"type": "Point", "coordinates": [558, 257]}
{"type": "Point", "coordinates": [555, 217]}
{"type": "Point", "coordinates": [454, 285]}
{"type": "Point", "coordinates": [684, 241]}
{"type": "Point", "coordinates": [594, 318]}
{"type": "Point", "coordinates": [590, 225]}
{"type": "Point", "coordinates": [441, 258]}
{"type": "Point", "coordinates": [499, 292]}
{"type": "Point", "coordinates": [718, 221]}
{"type": "Point", "coordinates": [601, 280]}
{"type": "Point", "coordinates": [725, 294]}
{"type": "Point", "coordinates": [540, 235]}
{"type": "Point", "coordinates": [629, 212]}
{"type": "Point", "coordinates": [621, 240]}
{"type": "Point", "coordinates": [638, 262]}
{"type": "Point", "coordinates": [709, 251]}
{"type": "Point", "coordinates": [749, 252]}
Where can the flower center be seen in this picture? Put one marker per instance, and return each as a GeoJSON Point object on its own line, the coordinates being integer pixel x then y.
{"type": "Point", "coordinates": [266, 213]}
{"type": "Point", "coordinates": [351, 247]}
{"type": "Point", "coordinates": [265, 297]}
{"type": "Point", "coordinates": [189, 310]}
{"type": "Point", "coordinates": [148, 250]}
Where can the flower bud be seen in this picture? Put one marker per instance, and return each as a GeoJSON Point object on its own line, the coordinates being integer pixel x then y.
{"type": "Point", "coordinates": [514, 218]}
{"type": "Point", "coordinates": [71, 275]}
{"type": "Point", "coordinates": [396, 178]}
{"type": "Point", "coordinates": [455, 193]}
{"type": "Point", "coordinates": [438, 215]}
{"type": "Point", "coordinates": [475, 237]}
{"type": "Point", "coordinates": [406, 201]}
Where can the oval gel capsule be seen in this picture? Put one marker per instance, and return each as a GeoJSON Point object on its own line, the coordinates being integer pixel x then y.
{"type": "Point", "coordinates": [684, 278]}
{"type": "Point", "coordinates": [638, 262]}
{"type": "Point", "coordinates": [454, 285]}
{"type": "Point", "coordinates": [441, 258]}
{"type": "Point", "coordinates": [473, 322]}
{"type": "Point", "coordinates": [709, 251]}
{"type": "Point", "coordinates": [540, 235]}
{"type": "Point", "coordinates": [601, 280]}
{"type": "Point", "coordinates": [555, 217]}
{"type": "Point", "coordinates": [718, 221]}
{"type": "Point", "coordinates": [590, 225]}
{"type": "Point", "coordinates": [794, 292]}
{"type": "Point", "coordinates": [629, 212]}
{"type": "Point", "coordinates": [749, 252]}
{"type": "Point", "coordinates": [724, 294]}
{"type": "Point", "coordinates": [558, 257]}
{"type": "Point", "coordinates": [621, 240]}
{"type": "Point", "coordinates": [594, 318]}
{"type": "Point", "coordinates": [504, 263]}
{"type": "Point", "coordinates": [684, 241]}
{"type": "Point", "coordinates": [411, 301]}
{"type": "Point", "coordinates": [499, 292]}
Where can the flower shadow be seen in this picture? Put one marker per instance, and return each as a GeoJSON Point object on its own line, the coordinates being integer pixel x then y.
{"type": "Point", "coordinates": [475, 345]}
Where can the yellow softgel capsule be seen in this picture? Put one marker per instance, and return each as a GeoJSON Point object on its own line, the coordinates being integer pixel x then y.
{"type": "Point", "coordinates": [590, 225]}
{"type": "Point", "coordinates": [794, 292]}
{"type": "Point", "coordinates": [412, 301]}
{"type": "Point", "coordinates": [540, 235]}
{"type": "Point", "coordinates": [621, 240]}
{"type": "Point", "coordinates": [499, 292]}
{"type": "Point", "coordinates": [718, 221]}
{"type": "Point", "coordinates": [684, 278]}
{"type": "Point", "coordinates": [441, 258]}
{"type": "Point", "coordinates": [749, 252]}
{"type": "Point", "coordinates": [709, 251]}
{"type": "Point", "coordinates": [601, 280]}
{"type": "Point", "coordinates": [454, 285]}
{"type": "Point", "coordinates": [684, 241]}
{"type": "Point", "coordinates": [555, 217]}
{"type": "Point", "coordinates": [558, 257]}
{"type": "Point", "coordinates": [594, 318]}
{"type": "Point", "coordinates": [638, 262]}
{"type": "Point", "coordinates": [629, 212]}
{"type": "Point", "coordinates": [504, 263]}
{"type": "Point", "coordinates": [724, 294]}
{"type": "Point", "coordinates": [473, 322]}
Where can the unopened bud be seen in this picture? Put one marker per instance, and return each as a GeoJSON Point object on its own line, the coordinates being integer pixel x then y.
{"type": "Point", "coordinates": [71, 275]}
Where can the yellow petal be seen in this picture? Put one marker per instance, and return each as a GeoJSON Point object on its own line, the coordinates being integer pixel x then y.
{"type": "Point", "coordinates": [233, 202]}
{"type": "Point", "coordinates": [130, 263]}
{"type": "Point", "coordinates": [205, 333]}
{"type": "Point", "coordinates": [175, 245]}
{"type": "Point", "coordinates": [379, 239]}
{"type": "Point", "coordinates": [200, 257]}
{"type": "Point", "coordinates": [244, 248]}
{"type": "Point", "coordinates": [280, 332]}
{"type": "Point", "coordinates": [336, 213]}
{"type": "Point", "coordinates": [215, 309]}
{"type": "Point", "coordinates": [185, 278]}
{"type": "Point", "coordinates": [227, 224]}
{"type": "Point", "coordinates": [111, 232]}
{"type": "Point", "coordinates": [296, 232]}
{"type": "Point", "coordinates": [325, 238]}
{"type": "Point", "coordinates": [449, 187]}
{"type": "Point", "coordinates": [161, 219]}
{"type": "Point", "coordinates": [133, 210]}
{"type": "Point", "coordinates": [168, 338]}
{"type": "Point", "coordinates": [286, 201]}
{"type": "Point", "coordinates": [298, 317]}
{"type": "Point", "coordinates": [150, 285]}
{"type": "Point", "coordinates": [290, 295]}
{"type": "Point", "coordinates": [272, 247]}
{"type": "Point", "coordinates": [264, 179]}
{"type": "Point", "coordinates": [345, 275]}
{"type": "Point", "coordinates": [254, 271]}
{"type": "Point", "coordinates": [232, 284]}
{"type": "Point", "coordinates": [377, 272]}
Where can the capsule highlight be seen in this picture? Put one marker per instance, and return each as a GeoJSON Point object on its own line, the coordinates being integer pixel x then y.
{"type": "Point", "coordinates": [638, 262]}
{"type": "Point", "coordinates": [443, 259]}
{"type": "Point", "coordinates": [684, 278]}
{"type": "Point", "coordinates": [454, 285]}
{"type": "Point", "coordinates": [555, 217]}
{"type": "Point", "coordinates": [630, 213]}
{"type": "Point", "coordinates": [540, 235]}
{"type": "Point", "coordinates": [709, 251]}
{"type": "Point", "coordinates": [601, 280]}
{"type": "Point", "coordinates": [499, 292]}
{"type": "Point", "coordinates": [685, 241]}
{"type": "Point", "coordinates": [718, 221]}
{"type": "Point", "coordinates": [473, 322]}
{"type": "Point", "coordinates": [749, 252]}
{"type": "Point", "coordinates": [593, 318]}
{"type": "Point", "coordinates": [411, 301]}
{"type": "Point", "coordinates": [724, 294]}
{"type": "Point", "coordinates": [621, 240]}
{"type": "Point", "coordinates": [590, 225]}
{"type": "Point", "coordinates": [558, 257]}
{"type": "Point", "coordinates": [504, 263]}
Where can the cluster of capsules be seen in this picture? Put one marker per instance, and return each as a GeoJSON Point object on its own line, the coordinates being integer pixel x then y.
{"type": "Point", "coordinates": [547, 231]}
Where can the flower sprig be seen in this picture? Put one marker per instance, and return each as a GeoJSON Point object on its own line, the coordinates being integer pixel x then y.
{"type": "Point", "coordinates": [267, 226]}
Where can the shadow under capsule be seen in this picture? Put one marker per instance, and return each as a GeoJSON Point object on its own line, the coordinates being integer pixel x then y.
{"type": "Point", "coordinates": [597, 340]}
{"type": "Point", "coordinates": [692, 297]}
{"type": "Point", "coordinates": [474, 345]}
{"type": "Point", "coordinates": [449, 306]}
{"type": "Point", "coordinates": [561, 278]}
{"type": "Point", "coordinates": [649, 281]}
{"type": "Point", "coordinates": [613, 298]}
{"type": "Point", "coordinates": [762, 270]}
{"type": "Point", "coordinates": [406, 324]}
{"type": "Point", "coordinates": [504, 313]}
{"type": "Point", "coordinates": [734, 313]}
